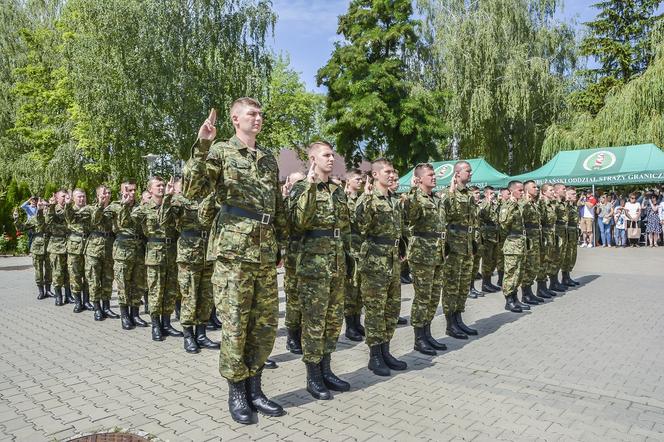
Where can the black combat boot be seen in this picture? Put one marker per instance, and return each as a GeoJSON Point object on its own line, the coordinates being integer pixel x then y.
{"type": "Point", "coordinates": [294, 341]}
{"type": "Point", "coordinates": [106, 306]}
{"type": "Point", "coordinates": [523, 305]}
{"type": "Point", "coordinates": [40, 292]}
{"type": "Point", "coordinates": [136, 318]}
{"type": "Point", "coordinates": [473, 290]}
{"type": "Point", "coordinates": [203, 340]}
{"type": "Point", "coordinates": [560, 287]}
{"type": "Point", "coordinates": [421, 343]}
{"type": "Point", "coordinates": [431, 340]}
{"type": "Point", "coordinates": [86, 300]}
{"type": "Point", "coordinates": [315, 384]}
{"type": "Point", "coordinates": [567, 280]}
{"type": "Point", "coordinates": [542, 291]}
{"type": "Point", "coordinates": [377, 363]}
{"type": "Point", "coordinates": [238, 406]}
{"type": "Point", "coordinates": [472, 295]}
{"type": "Point", "coordinates": [58, 297]}
{"type": "Point", "coordinates": [258, 399]}
{"type": "Point", "coordinates": [464, 328]}
{"type": "Point", "coordinates": [213, 323]}
{"type": "Point", "coordinates": [270, 364]}
{"type": "Point", "coordinates": [405, 276]}
{"type": "Point", "coordinates": [178, 308]}
{"type": "Point", "coordinates": [190, 345]}
{"type": "Point", "coordinates": [78, 305]}
{"type": "Point", "coordinates": [125, 319]}
{"type": "Point", "coordinates": [571, 281]}
{"type": "Point", "coordinates": [499, 283]}
{"type": "Point", "coordinates": [331, 380]}
{"type": "Point", "coordinates": [511, 303]}
{"type": "Point", "coordinates": [168, 329]}
{"type": "Point", "coordinates": [99, 313]}
{"type": "Point", "coordinates": [69, 299]}
{"type": "Point", "coordinates": [358, 324]}
{"type": "Point", "coordinates": [487, 286]}
{"type": "Point", "coordinates": [392, 362]}
{"type": "Point", "coordinates": [156, 328]}
{"type": "Point", "coordinates": [527, 295]}
{"type": "Point", "coordinates": [146, 308]}
{"type": "Point", "coordinates": [452, 330]}
{"type": "Point", "coordinates": [402, 321]}
{"type": "Point", "coordinates": [351, 332]}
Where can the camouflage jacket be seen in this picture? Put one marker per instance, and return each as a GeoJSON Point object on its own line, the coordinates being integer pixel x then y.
{"type": "Point", "coordinates": [488, 221]}
{"type": "Point", "coordinates": [128, 233]}
{"type": "Point", "coordinates": [243, 179]}
{"type": "Point", "coordinates": [56, 224]}
{"type": "Point", "coordinates": [547, 213]}
{"type": "Point", "coordinates": [192, 242]}
{"type": "Point", "coordinates": [512, 228]}
{"type": "Point", "coordinates": [561, 217]}
{"type": "Point", "coordinates": [531, 220]}
{"type": "Point", "coordinates": [35, 226]}
{"type": "Point", "coordinates": [355, 237]}
{"type": "Point", "coordinates": [100, 239]}
{"type": "Point", "coordinates": [78, 224]}
{"type": "Point", "coordinates": [460, 214]}
{"type": "Point", "coordinates": [572, 216]}
{"type": "Point", "coordinates": [425, 219]}
{"type": "Point", "coordinates": [148, 217]}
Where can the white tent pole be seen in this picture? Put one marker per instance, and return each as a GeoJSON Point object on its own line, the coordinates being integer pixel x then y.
{"type": "Point", "coordinates": [594, 222]}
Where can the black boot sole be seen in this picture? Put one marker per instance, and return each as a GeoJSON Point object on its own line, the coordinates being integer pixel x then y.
{"type": "Point", "coordinates": [427, 352]}
{"type": "Point", "coordinates": [319, 396]}
{"type": "Point", "coordinates": [456, 335]}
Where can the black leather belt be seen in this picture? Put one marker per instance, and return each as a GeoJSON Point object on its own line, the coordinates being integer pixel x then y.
{"type": "Point", "coordinates": [58, 236]}
{"type": "Point", "coordinates": [35, 235]}
{"type": "Point", "coordinates": [531, 226]}
{"type": "Point", "coordinates": [384, 240]}
{"type": "Point", "coordinates": [547, 226]}
{"type": "Point", "coordinates": [124, 237]}
{"type": "Point", "coordinates": [80, 235]}
{"type": "Point", "coordinates": [571, 225]}
{"type": "Point", "coordinates": [194, 234]}
{"type": "Point", "coordinates": [294, 238]}
{"type": "Point", "coordinates": [490, 224]}
{"type": "Point", "coordinates": [561, 223]}
{"type": "Point", "coordinates": [161, 240]}
{"type": "Point", "coordinates": [431, 235]}
{"type": "Point", "coordinates": [517, 233]}
{"type": "Point", "coordinates": [332, 233]}
{"type": "Point", "coordinates": [103, 234]}
{"type": "Point", "coordinates": [459, 228]}
{"type": "Point", "coordinates": [355, 231]}
{"type": "Point", "coordinates": [264, 218]}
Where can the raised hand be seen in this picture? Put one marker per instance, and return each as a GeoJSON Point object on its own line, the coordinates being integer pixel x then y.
{"type": "Point", "coordinates": [414, 181]}
{"type": "Point", "coordinates": [453, 184]}
{"type": "Point", "coordinates": [51, 200]}
{"type": "Point", "coordinates": [286, 188]}
{"type": "Point", "coordinates": [368, 187]}
{"type": "Point", "coordinates": [126, 199]}
{"type": "Point", "coordinates": [208, 131]}
{"type": "Point", "coordinates": [170, 186]}
{"type": "Point", "coordinates": [311, 175]}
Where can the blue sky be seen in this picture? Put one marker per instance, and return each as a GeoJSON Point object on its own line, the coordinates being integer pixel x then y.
{"type": "Point", "coordinates": [306, 30]}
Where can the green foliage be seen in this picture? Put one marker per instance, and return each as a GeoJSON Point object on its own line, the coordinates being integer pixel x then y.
{"type": "Point", "coordinates": [376, 107]}
{"type": "Point", "coordinates": [22, 245]}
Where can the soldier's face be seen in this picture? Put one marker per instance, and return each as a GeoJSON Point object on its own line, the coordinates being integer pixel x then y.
{"type": "Point", "coordinates": [104, 195]}
{"type": "Point", "coordinates": [476, 195]}
{"type": "Point", "coordinates": [384, 176]}
{"type": "Point", "coordinates": [532, 190]}
{"type": "Point", "coordinates": [395, 182]}
{"type": "Point", "coordinates": [79, 199]}
{"type": "Point", "coordinates": [428, 178]}
{"type": "Point", "coordinates": [145, 197]}
{"type": "Point", "coordinates": [157, 188]}
{"type": "Point", "coordinates": [323, 156]}
{"type": "Point", "coordinates": [517, 191]}
{"type": "Point", "coordinates": [488, 195]}
{"type": "Point", "coordinates": [355, 183]}
{"type": "Point", "coordinates": [464, 174]}
{"type": "Point", "coordinates": [505, 194]}
{"type": "Point", "coordinates": [129, 190]}
{"type": "Point", "coordinates": [248, 120]}
{"type": "Point", "coordinates": [60, 198]}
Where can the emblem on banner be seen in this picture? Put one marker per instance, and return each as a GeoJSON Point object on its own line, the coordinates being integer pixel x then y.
{"type": "Point", "coordinates": [445, 171]}
{"type": "Point", "coordinates": [600, 160]}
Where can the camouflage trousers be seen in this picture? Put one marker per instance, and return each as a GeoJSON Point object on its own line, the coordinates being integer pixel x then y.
{"type": "Point", "coordinates": [500, 258]}
{"type": "Point", "coordinates": [196, 287]}
{"type": "Point", "coordinates": [531, 262]}
{"type": "Point", "coordinates": [322, 305]}
{"type": "Point", "coordinates": [130, 280]}
{"type": "Point", "coordinates": [559, 250]}
{"type": "Point", "coordinates": [547, 250]}
{"type": "Point", "coordinates": [490, 253]}
{"type": "Point", "coordinates": [162, 284]}
{"type": "Point", "coordinates": [247, 300]}
{"type": "Point", "coordinates": [456, 276]}
{"type": "Point", "coordinates": [428, 287]}
{"type": "Point", "coordinates": [42, 266]}
{"type": "Point", "coordinates": [59, 269]}
{"type": "Point", "coordinates": [569, 260]}
{"type": "Point", "coordinates": [76, 270]}
{"type": "Point", "coordinates": [381, 293]}
{"type": "Point", "coordinates": [352, 298]}
{"type": "Point", "coordinates": [99, 276]}
{"type": "Point", "coordinates": [513, 271]}
{"type": "Point", "coordinates": [293, 313]}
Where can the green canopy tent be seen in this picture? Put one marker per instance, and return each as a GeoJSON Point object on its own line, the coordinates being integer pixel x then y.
{"type": "Point", "coordinates": [605, 166]}
{"type": "Point", "coordinates": [483, 175]}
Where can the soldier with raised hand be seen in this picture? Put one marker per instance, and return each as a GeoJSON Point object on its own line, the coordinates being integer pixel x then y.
{"type": "Point", "coordinates": [320, 211]}
{"type": "Point", "coordinates": [547, 213]}
{"type": "Point", "coordinates": [353, 301]}
{"type": "Point", "coordinates": [561, 237]}
{"type": "Point", "coordinates": [515, 246]}
{"type": "Point", "coordinates": [533, 226]}
{"type": "Point", "coordinates": [99, 255]}
{"type": "Point", "coordinates": [572, 237]}
{"type": "Point", "coordinates": [488, 222]}
{"type": "Point", "coordinates": [426, 253]}
{"type": "Point", "coordinates": [245, 240]}
{"type": "Point", "coordinates": [194, 270]}
{"type": "Point", "coordinates": [473, 293]}
{"type": "Point", "coordinates": [460, 215]}
{"type": "Point", "coordinates": [380, 220]}
{"type": "Point", "coordinates": [128, 255]}
{"type": "Point", "coordinates": [78, 216]}
{"type": "Point", "coordinates": [293, 318]}
{"type": "Point", "coordinates": [57, 244]}
{"type": "Point", "coordinates": [504, 198]}
{"type": "Point", "coordinates": [35, 226]}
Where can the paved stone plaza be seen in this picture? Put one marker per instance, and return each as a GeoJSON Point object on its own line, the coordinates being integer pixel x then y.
{"type": "Point", "coordinates": [587, 366]}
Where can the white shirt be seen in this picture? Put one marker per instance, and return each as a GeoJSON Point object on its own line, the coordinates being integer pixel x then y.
{"type": "Point", "coordinates": [632, 208]}
{"type": "Point", "coordinates": [588, 213]}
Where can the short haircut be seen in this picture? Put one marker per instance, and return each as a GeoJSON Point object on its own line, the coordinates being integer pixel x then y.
{"type": "Point", "coordinates": [525, 183]}
{"type": "Point", "coordinates": [352, 173]}
{"type": "Point", "coordinates": [473, 188]}
{"type": "Point", "coordinates": [79, 190]}
{"type": "Point", "coordinates": [513, 184]}
{"type": "Point", "coordinates": [488, 188]}
{"type": "Point", "coordinates": [558, 186]}
{"type": "Point", "coordinates": [458, 164]}
{"type": "Point", "coordinates": [153, 179]}
{"type": "Point", "coordinates": [379, 164]}
{"type": "Point", "coordinates": [244, 102]}
{"type": "Point", "coordinates": [419, 169]}
{"type": "Point", "coordinates": [545, 187]}
{"type": "Point", "coordinates": [101, 186]}
{"type": "Point", "coordinates": [316, 145]}
{"type": "Point", "coordinates": [127, 183]}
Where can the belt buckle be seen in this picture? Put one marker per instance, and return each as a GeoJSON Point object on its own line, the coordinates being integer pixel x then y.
{"type": "Point", "coordinates": [525, 233]}
{"type": "Point", "coordinates": [470, 229]}
{"type": "Point", "coordinates": [443, 235]}
{"type": "Point", "coordinates": [168, 240]}
{"type": "Point", "coordinates": [204, 234]}
{"type": "Point", "coordinates": [337, 233]}
{"type": "Point", "coordinates": [396, 242]}
{"type": "Point", "coordinates": [265, 218]}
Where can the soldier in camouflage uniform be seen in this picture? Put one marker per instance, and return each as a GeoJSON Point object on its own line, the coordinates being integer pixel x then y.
{"type": "Point", "coordinates": [560, 239]}
{"type": "Point", "coordinates": [504, 197]}
{"type": "Point", "coordinates": [36, 227]}
{"type": "Point", "coordinates": [533, 226]}
{"type": "Point", "coordinates": [572, 236]}
{"type": "Point", "coordinates": [380, 219]}
{"type": "Point", "coordinates": [57, 243]}
{"type": "Point", "coordinates": [460, 214]}
{"type": "Point", "coordinates": [515, 246]}
{"type": "Point", "coordinates": [320, 212]}
{"type": "Point", "coordinates": [293, 313]}
{"type": "Point", "coordinates": [547, 250]}
{"type": "Point", "coordinates": [78, 217]}
{"type": "Point", "coordinates": [488, 222]}
{"type": "Point", "coordinates": [194, 270]}
{"type": "Point", "coordinates": [160, 257]}
{"type": "Point", "coordinates": [99, 255]}
{"type": "Point", "coordinates": [245, 241]}
{"type": "Point", "coordinates": [353, 300]}
{"type": "Point", "coordinates": [426, 253]}
{"type": "Point", "coordinates": [473, 293]}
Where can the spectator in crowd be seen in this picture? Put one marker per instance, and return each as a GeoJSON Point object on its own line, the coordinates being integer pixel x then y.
{"type": "Point", "coordinates": [620, 219]}
{"type": "Point", "coordinates": [652, 221]}
{"type": "Point", "coordinates": [605, 219]}
{"type": "Point", "coordinates": [633, 213]}
{"type": "Point", "coordinates": [587, 204]}
{"type": "Point", "coordinates": [30, 206]}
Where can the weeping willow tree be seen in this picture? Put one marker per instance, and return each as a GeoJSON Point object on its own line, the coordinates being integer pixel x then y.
{"type": "Point", "coordinates": [503, 63]}
{"type": "Point", "coordinates": [634, 114]}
